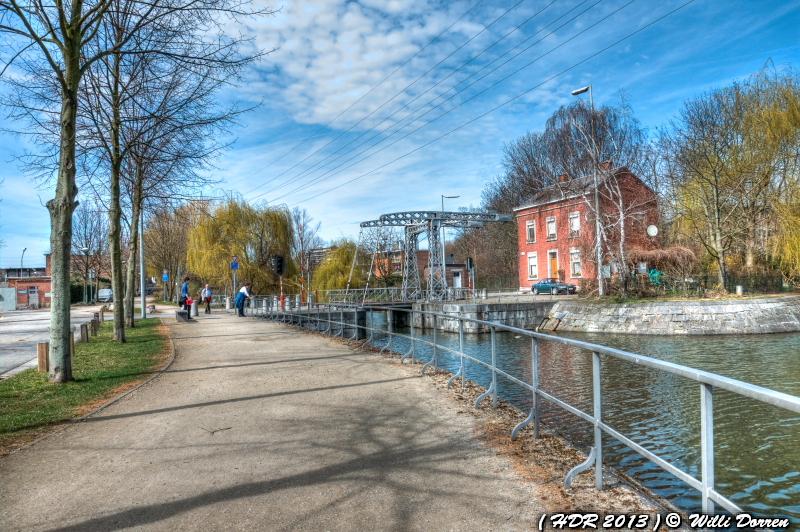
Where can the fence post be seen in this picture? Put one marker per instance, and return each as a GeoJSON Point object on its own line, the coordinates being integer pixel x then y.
{"type": "Point", "coordinates": [706, 446]}
{"type": "Point", "coordinates": [435, 358]}
{"type": "Point", "coordinates": [535, 384]}
{"type": "Point", "coordinates": [42, 357]}
{"type": "Point", "coordinates": [598, 411]}
{"type": "Point", "coordinates": [461, 348]}
{"type": "Point", "coordinates": [84, 332]}
{"type": "Point", "coordinates": [494, 367]}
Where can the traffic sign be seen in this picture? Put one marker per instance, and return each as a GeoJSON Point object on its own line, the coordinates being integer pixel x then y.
{"type": "Point", "coordinates": [235, 263]}
{"type": "Point", "coordinates": [165, 276]}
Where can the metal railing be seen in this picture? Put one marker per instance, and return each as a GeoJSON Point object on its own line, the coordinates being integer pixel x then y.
{"type": "Point", "coordinates": [335, 320]}
{"type": "Point", "coordinates": [360, 296]}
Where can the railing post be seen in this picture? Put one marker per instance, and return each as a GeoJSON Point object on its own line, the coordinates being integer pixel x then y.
{"type": "Point", "coordinates": [435, 358]}
{"type": "Point", "coordinates": [461, 348]}
{"type": "Point", "coordinates": [413, 341]}
{"type": "Point", "coordinates": [494, 367]}
{"type": "Point", "coordinates": [535, 384]}
{"type": "Point", "coordinates": [707, 446]}
{"type": "Point", "coordinates": [598, 415]}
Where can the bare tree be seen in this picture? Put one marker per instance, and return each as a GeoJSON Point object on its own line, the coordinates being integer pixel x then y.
{"type": "Point", "coordinates": [88, 240]}
{"type": "Point", "coordinates": [64, 40]}
{"type": "Point", "coordinates": [306, 238]}
{"type": "Point", "coordinates": [383, 246]}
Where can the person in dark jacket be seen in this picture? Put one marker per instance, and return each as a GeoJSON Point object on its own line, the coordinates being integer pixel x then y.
{"type": "Point", "coordinates": [185, 295]}
{"type": "Point", "coordinates": [241, 296]}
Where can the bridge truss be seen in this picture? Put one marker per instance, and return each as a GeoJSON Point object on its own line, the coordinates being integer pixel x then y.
{"type": "Point", "coordinates": [430, 223]}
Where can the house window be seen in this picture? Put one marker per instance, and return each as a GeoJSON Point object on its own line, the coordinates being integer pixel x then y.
{"type": "Point", "coordinates": [574, 224]}
{"type": "Point", "coordinates": [530, 231]}
{"type": "Point", "coordinates": [533, 266]}
{"type": "Point", "coordinates": [551, 228]}
{"type": "Point", "coordinates": [575, 262]}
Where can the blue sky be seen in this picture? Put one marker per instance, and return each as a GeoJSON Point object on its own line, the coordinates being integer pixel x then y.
{"type": "Point", "coordinates": [331, 53]}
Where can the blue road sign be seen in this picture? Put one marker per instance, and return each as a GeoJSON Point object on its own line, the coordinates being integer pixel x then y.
{"type": "Point", "coordinates": [235, 263]}
{"type": "Point", "coordinates": [165, 277]}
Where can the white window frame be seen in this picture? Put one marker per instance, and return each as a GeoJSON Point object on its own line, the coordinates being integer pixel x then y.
{"type": "Point", "coordinates": [552, 274]}
{"type": "Point", "coordinates": [555, 228]}
{"type": "Point", "coordinates": [533, 255]}
{"type": "Point", "coordinates": [575, 215]}
{"type": "Point", "coordinates": [572, 262]}
{"type": "Point", "coordinates": [530, 224]}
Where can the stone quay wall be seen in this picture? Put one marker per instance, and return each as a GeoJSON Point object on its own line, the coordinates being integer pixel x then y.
{"type": "Point", "coordinates": [730, 316]}
{"type": "Point", "coordinates": [526, 315]}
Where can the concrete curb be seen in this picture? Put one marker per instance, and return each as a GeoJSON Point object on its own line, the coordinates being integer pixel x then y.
{"type": "Point", "coordinates": [64, 425]}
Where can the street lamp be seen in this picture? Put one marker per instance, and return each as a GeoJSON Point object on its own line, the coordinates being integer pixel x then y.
{"type": "Point", "coordinates": [21, 259]}
{"type": "Point", "coordinates": [444, 251]}
{"type": "Point", "coordinates": [85, 270]}
{"type": "Point", "coordinates": [597, 247]}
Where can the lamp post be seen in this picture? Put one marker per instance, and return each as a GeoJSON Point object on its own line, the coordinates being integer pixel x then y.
{"type": "Point", "coordinates": [598, 246]}
{"type": "Point", "coordinates": [21, 259]}
{"type": "Point", "coordinates": [444, 250]}
{"type": "Point", "coordinates": [85, 270]}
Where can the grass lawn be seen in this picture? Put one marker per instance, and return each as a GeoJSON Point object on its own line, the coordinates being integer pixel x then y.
{"type": "Point", "coordinates": [101, 369]}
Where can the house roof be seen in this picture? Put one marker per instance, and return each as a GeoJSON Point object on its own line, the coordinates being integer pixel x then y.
{"type": "Point", "coordinates": [572, 188]}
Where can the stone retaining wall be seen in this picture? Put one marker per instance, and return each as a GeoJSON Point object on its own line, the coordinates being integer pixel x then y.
{"type": "Point", "coordinates": [522, 315]}
{"type": "Point", "coordinates": [745, 316]}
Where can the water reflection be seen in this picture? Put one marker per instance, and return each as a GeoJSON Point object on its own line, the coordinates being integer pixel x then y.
{"type": "Point", "coordinates": [757, 452]}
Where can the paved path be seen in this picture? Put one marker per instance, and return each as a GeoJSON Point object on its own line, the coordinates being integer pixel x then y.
{"type": "Point", "coordinates": [259, 427]}
{"type": "Point", "coordinates": [21, 330]}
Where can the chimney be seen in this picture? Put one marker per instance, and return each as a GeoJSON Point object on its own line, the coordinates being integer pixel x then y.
{"type": "Point", "coordinates": [563, 178]}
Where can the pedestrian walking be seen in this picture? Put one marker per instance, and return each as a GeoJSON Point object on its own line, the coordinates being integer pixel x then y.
{"type": "Point", "coordinates": [205, 297]}
{"type": "Point", "coordinates": [185, 295]}
{"type": "Point", "coordinates": [243, 295]}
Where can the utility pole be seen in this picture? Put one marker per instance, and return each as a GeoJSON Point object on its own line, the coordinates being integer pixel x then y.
{"type": "Point", "coordinates": [142, 288]}
{"type": "Point", "coordinates": [598, 245]}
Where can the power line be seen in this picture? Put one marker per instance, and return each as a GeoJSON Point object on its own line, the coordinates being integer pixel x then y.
{"type": "Point", "coordinates": [474, 96]}
{"type": "Point", "coordinates": [392, 98]}
{"type": "Point", "coordinates": [325, 160]}
{"type": "Point", "coordinates": [506, 102]}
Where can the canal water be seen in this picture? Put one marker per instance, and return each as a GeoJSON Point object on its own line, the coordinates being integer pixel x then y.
{"type": "Point", "coordinates": [757, 446]}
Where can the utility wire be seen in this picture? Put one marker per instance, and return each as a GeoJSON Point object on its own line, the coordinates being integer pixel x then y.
{"type": "Point", "coordinates": [369, 91]}
{"type": "Point", "coordinates": [506, 102]}
{"type": "Point", "coordinates": [342, 133]}
{"type": "Point", "coordinates": [412, 117]}
{"type": "Point", "coordinates": [461, 104]}
{"type": "Point", "coordinates": [330, 157]}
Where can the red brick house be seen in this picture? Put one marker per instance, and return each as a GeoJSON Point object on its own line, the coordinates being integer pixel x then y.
{"type": "Point", "coordinates": [32, 285]}
{"type": "Point", "coordinates": [556, 229]}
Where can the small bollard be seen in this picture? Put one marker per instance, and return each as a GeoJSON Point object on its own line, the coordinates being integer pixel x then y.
{"type": "Point", "coordinates": [72, 342]}
{"type": "Point", "coordinates": [84, 332]}
{"type": "Point", "coordinates": [195, 313]}
{"type": "Point", "coordinates": [739, 290]}
{"type": "Point", "coordinates": [102, 315]}
{"type": "Point", "coordinates": [43, 357]}
{"type": "Point", "coordinates": [95, 326]}
{"type": "Point", "coordinates": [227, 303]}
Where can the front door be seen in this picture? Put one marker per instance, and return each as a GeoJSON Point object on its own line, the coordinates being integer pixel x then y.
{"type": "Point", "coordinates": [552, 267]}
{"type": "Point", "coordinates": [456, 279]}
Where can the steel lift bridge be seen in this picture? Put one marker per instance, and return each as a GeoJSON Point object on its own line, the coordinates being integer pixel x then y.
{"type": "Point", "coordinates": [415, 223]}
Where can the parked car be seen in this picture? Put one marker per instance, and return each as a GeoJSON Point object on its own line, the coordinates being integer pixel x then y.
{"type": "Point", "coordinates": [553, 286]}
{"type": "Point", "coordinates": [105, 295]}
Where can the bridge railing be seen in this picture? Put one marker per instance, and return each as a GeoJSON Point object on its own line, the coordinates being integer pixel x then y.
{"type": "Point", "coordinates": [358, 296]}
{"type": "Point", "coordinates": [337, 320]}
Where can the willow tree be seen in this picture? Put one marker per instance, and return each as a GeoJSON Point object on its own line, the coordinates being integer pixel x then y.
{"type": "Point", "coordinates": [252, 234]}
{"type": "Point", "coordinates": [334, 272]}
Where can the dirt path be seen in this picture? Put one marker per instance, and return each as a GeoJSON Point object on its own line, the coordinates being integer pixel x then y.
{"type": "Point", "coordinates": [258, 426]}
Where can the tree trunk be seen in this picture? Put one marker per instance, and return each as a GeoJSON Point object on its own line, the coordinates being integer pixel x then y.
{"type": "Point", "coordinates": [115, 211]}
{"type": "Point", "coordinates": [130, 280]}
{"type": "Point", "coordinates": [61, 208]}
